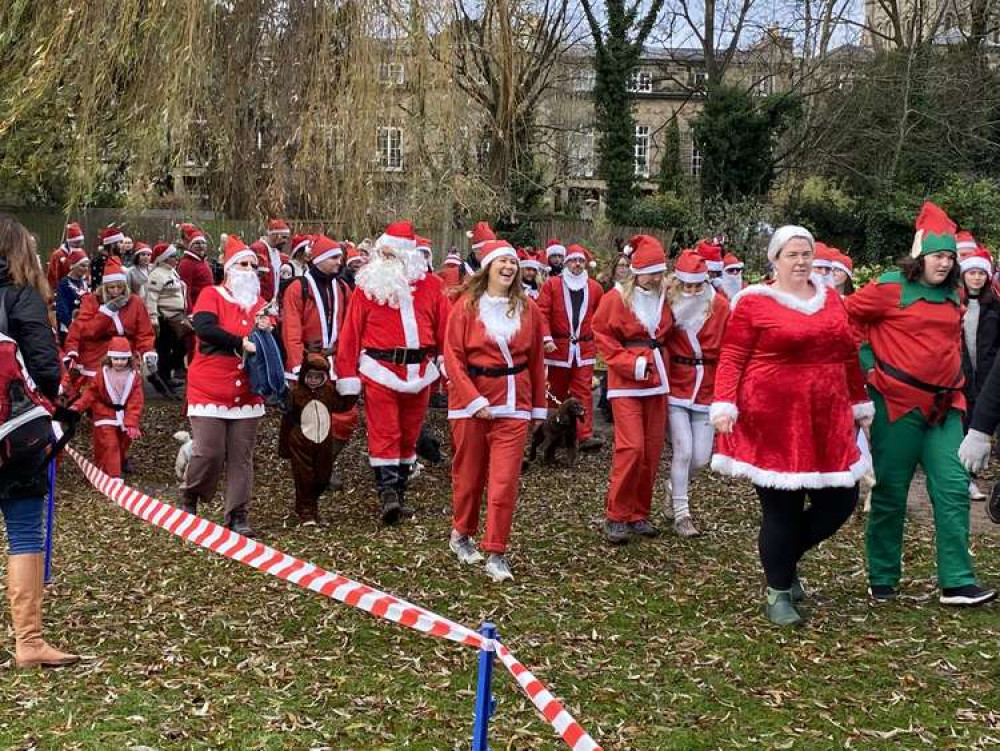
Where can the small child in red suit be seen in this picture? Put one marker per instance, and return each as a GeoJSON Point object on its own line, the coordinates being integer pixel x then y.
{"type": "Point", "coordinates": [114, 399]}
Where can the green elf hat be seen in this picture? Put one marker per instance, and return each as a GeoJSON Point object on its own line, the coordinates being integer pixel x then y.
{"type": "Point", "coordinates": [935, 232]}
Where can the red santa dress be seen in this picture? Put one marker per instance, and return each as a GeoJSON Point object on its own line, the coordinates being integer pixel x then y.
{"type": "Point", "coordinates": [115, 401]}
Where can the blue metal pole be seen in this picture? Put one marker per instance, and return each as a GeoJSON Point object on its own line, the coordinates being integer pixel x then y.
{"type": "Point", "coordinates": [484, 696]}
{"type": "Point", "coordinates": [50, 518]}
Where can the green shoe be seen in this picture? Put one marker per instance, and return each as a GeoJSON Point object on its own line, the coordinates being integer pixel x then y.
{"type": "Point", "coordinates": [780, 610]}
{"type": "Point", "coordinates": [797, 590]}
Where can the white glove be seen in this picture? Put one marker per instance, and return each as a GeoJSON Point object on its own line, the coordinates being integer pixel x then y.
{"type": "Point", "coordinates": [974, 453]}
{"type": "Point", "coordinates": [151, 359]}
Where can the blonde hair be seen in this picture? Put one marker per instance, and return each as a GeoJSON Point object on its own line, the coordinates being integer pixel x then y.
{"type": "Point", "coordinates": [629, 285]}
{"type": "Point", "coordinates": [675, 288]}
{"type": "Point", "coordinates": [475, 287]}
{"type": "Point", "coordinates": [18, 246]}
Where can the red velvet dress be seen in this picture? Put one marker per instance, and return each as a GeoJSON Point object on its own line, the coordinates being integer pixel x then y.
{"type": "Point", "coordinates": [789, 374]}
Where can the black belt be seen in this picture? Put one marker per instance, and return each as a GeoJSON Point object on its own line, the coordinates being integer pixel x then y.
{"type": "Point", "coordinates": [574, 339]}
{"type": "Point", "coordinates": [477, 370]}
{"type": "Point", "coordinates": [942, 394]}
{"type": "Point", "coordinates": [691, 360]}
{"type": "Point", "coordinates": [646, 343]}
{"type": "Point", "coordinates": [400, 355]}
{"type": "Point", "coordinates": [117, 407]}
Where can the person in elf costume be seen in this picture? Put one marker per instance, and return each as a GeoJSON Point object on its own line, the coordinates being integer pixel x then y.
{"type": "Point", "coordinates": [913, 320]}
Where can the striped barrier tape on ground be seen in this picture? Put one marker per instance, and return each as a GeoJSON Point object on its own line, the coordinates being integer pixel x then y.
{"type": "Point", "coordinates": [229, 544]}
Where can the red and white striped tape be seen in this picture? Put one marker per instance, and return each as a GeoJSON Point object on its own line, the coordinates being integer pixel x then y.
{"type": "Point", "coordinates": [229, 544]}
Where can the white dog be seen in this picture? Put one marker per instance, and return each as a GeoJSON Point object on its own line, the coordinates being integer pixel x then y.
{"type": "Point", "coordinates": [183, 453]}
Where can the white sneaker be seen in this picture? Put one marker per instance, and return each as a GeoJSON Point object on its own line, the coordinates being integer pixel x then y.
{"type": "Point", "coordinates": [497, 568]}
{"type": "Point", "coordinates": [975, 494]}
{"type": "Point", "coordinates": [416, 470]}
{"type": "Point", "coordinates": [463, 546]}
{"type": "Point", "coordinates": [685, 527]}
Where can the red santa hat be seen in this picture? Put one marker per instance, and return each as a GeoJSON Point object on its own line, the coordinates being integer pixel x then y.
{"type": "Point", "coordinates": [528, 259]}
{"type": "Point", "coordinates": [110, 236]}
{"type": "Point", "coordinates": [323, 248]}
{"type": "Point", "coordinates": [691, 268]}
{"type": "Point", "coordinates": [783, 235]}
{"type": "Point", "coordinates": [354, 255]}
{"type": "Point", "coordinates": [578, 252]}
{"type": "Point", "coordinates": [74, 233]}
{"type": "Point", "coordinates": [141, 247]}
{"type": "Point", "coordinates": [234, 250]}
{"type": "Point", "coordinates": [479, 234]}
{"type": "Point", "coordinates": [492, 250]}
{"type": "Point", "coordinates": [113, 272]}
{"type": "Point", "coordinates": [192, 234]}
{"type": "Point", "coordinates": [554, 247]}
{"type": "Point", "coordinates": [647, 255]}
{"type": "Point", "coordinates": [453, 258]}
{"type": "Point", "coordinates": [119, 347]}
{"type": "Point", "coordinates": [965, 243]}
{"type": "Point", "coordinates": [823, 256]}
{"type": "Point", "coordinates": [301, 243]}
{"type": "Point", "coordinates": [278, 227]}
{"type": "Point", "coordinates": [76, 257]}
{"type": "Point", "coordinates": [935, 232]}
{"type": "Point", "coordinates": [711, 252]}
{"type": "Point", "coordinates": [978, 259]}
{"type": "Point", "coordinates": [843, 262]}
{"type": "Point", "coordinates": [730, 261]}
{"type": "Point", "coordinates": [398, 236]}
{"type": "Point", "coordinates": [423, 244]}
{"type": "Point", "coordinates": [163, 251]}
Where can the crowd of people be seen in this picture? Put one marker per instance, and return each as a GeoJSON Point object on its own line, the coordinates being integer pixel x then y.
{"type": "Point", "coordinates": [800, 384]}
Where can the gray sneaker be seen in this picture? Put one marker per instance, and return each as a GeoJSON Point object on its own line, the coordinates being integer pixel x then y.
{"type": "Point", "coordinates": [463, 546]}
{"type": "Point", "coordinates": [616, 532]}
{"type": "Point", "coordinates": [643, 528]}
{"type": "Point", "coordinates": [497, 568]}
{"type": "Point", "coordinates": [779, 608]}
{"type": "Point", "coordinates": [685, 527]}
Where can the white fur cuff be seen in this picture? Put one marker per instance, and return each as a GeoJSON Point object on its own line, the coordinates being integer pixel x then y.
{"type": "Point", "coordinates": [348, 386]}
{"type": "Point", "coordinates": [640, 368]}
{"type": "Point", "coordinates": [539, 413]}
{"type": "Point", "coordinates": [547, 339]}
{"type": "Point", "coordinates": [722, 409]}
{"type": "Point", "coordinates": [864, 411]}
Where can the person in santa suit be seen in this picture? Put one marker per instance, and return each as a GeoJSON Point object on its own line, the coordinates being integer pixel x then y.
{"type": "Point", "coordinates": [223, 410]}
{"type": "Point", "coordinates": [822, 265]}
{"type": "Point", "coordinates": [531, 271]}
{"type": "Point", "coordinates": [480, 234]}
{"type": "Point", "coordinates": [789, 397]}
{"type": "Point", "coordinates": [700, 314]}
{"type": "Point", "coordinates": [452, 273]}
{"type": "Point", "coordinates": [115, 400]}
{"type": "Point", "coordinates": [138, 272]}
{"type": "Point", "coordinates": [271, 253]}
{"type": "Point", "coordinates": [394, 330]}
{"type": "Point", "coordinates": [353, 261]}
{"type": "Point", "coordinates": [166, 301]}
{"type": "Point", "coordinates": [913, 319]}
{"type": "Point", "coordinates": [731, 281]}
{"type": "Point", "coordinates": [110, 241]}
{"type": "Point", "coordinates": [193, 269]}
{"type": "Point", "coordinates": [73, 287]}
{"type": "Point", "coordinates": [631, 327]}
{"type": "Point", "coordinates": [314, 308]}
{"type": "Point", "coordinates": [567, 303]}
{"type": "Point", "coordinates": [843, 273]}
{"type": "Point", "coordinates": [298, 259]}
{"type": "Point", "coordinates": [711, 251]}
{"type": "Point", "coordinates": [425, 249]}
{"type": "Point", "coordinates": [59, 262]}
{"type": "Point", "coordinates": [110, 311]}
{"type": "Point", "coordinates": [496, 387]}
{"type": "Point", "coordinates": [555, 256]}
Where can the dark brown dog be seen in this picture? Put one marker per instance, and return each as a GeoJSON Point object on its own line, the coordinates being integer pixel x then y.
{"type": "Point", "coordinates": [558, 431]}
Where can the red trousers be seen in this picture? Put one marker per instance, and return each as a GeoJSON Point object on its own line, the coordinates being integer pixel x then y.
{"type": "Point", "coordinates": [639, 436]}
{"type": "Point", "coordinates": [342, 424]}
{"type": "Point", "coordinates": [487, 457]}
{"type": "Point", "coordinates": [394, 421]}
{"type": "Point", "coordinates": [110, 448]}
{"type": "Point", "coordinates": [575, 381]}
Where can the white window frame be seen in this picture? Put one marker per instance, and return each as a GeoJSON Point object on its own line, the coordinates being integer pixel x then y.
{"type": "Point", "coordinates": [695, 163]}
{"type": "Point", "coordinates": [700, 77]}
{"type": "Point", "coordinates": [584, 79]}
{"type": "Point", "coordinates": [392, 73]}
{"type": "Point", "coordinates": [640, 150]}
{"type": "Point", "coordinates": [389, 148]}
{"type": "Point", "coordinates": [581, 153]}
{"type": "Point", "coordinates": [640, 82]}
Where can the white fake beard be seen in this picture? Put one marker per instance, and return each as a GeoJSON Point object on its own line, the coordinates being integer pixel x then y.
{"type": "Point", "coordinates": [244, 286]}
{"type": "Point", "coordinates": [385, 279]}
{"type": "Point", "coordinates": [648, 308]}
{"type": "Point", "coordinates": [575, 282]}
{"type": "Point", "coordinates": [731, 284]}
{"type": "Point", "coordinates": [691, 312]}
{"type": "Point", "coordinates": [493, 312]}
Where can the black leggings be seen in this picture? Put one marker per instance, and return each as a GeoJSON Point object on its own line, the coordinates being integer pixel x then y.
{"type": "Point", "coordinates": [788, 529]}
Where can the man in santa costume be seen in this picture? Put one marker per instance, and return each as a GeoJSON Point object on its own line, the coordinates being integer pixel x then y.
{"type": "Point", "coordinates": [531, 270]}
{"type": "Point", "coordinates": [966, 244]}
{"type": "Point", "coordinates": [59, 263]}
{"type": "Point", "coordinates": [822, 264]}
{"type": "Point", "coordinates": [109, 245]}
{"type": "Point", "coordinates": [843, 273]}
{"type": "Point", "coordinates": [73, 287]}
{"type": "Point", "coordinates": [391, 340]}
{"type": "Point", "coordinates": [314, 308]}
{"type": "Point", "coordinates": [731, 280]}
{"type": "Point", "coordinates": [353, 261]}
{"type": "Point", "coordinates": [567, 304]}
{"type": "Point", "coordinates": [193, 269]}
{"type": "Point", "coordinates": [711, 251]}
{"type": "Point", "coordinates": [452, 273]}
{"type": "Point", "coordinates": [913, 319]}
{"type": "Point", "coordinates": [298, 259]}
{"type": "Point", "coordinates": [555, 256]}
{"type": "Point", "coordinates": [271, 252]}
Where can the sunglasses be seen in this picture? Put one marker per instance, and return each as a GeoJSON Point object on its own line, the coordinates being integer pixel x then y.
{"type": "Point", "coordinates": [246, 264]}
{"type": "Point", "coordinates": [734, 271]}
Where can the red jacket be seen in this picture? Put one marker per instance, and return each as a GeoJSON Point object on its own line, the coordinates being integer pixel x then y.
{"type": "Point", "coordinates": [637, 369]}
{"type": "Point", "coordinates": [302, 327]}
{"type": "Point", "coordinates": [95, 324]}
{"type": "Point", "coordinates": [58, 267]}
{"type": "Point", "coordinates": [196, 275]}
{"type": "Point", "coordinates": [451, 276]}
{"type": "Point", "coordinates": [572, 347]}
{"type": "Point", "coordinates": [269, 262]}
{"type": "Point", "coordinates": [123, 410]}
{"type": "Point", "coordinates": [519, 395]}
{"type": "Point", "coordinates": [692, 383]}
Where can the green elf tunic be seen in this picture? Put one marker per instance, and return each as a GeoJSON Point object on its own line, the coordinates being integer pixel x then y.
{"type": "Point", "coordinates": [915, 379]}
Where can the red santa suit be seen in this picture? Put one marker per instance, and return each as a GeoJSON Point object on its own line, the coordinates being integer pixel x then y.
{"type": "Point", "coordinates": [568, 314]}
{"type": "Point", "coordinates": [270, 259]}
{"type": "Point", "coordinates": [115, 401]}
{"type": "Point", "coordinates": [494, 362]}
{"type": "Point", "coordinates": [451, 274]}
{"type": "Point", "coordinates": [529, 259]}
{"type": "Point", "coordinates": [59, 263]}
{"type": "Point", "coordinates": [193, 269]}
{"type": "Point", "coordinates": [633, 348]}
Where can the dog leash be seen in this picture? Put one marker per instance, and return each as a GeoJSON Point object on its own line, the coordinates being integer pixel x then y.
{"type": "Point", "coordinates": [551, 398]}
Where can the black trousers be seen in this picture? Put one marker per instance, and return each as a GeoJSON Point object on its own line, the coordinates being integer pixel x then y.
{"type": "Point", "coordinates": [788, 528]}
{"type": "Point", "coordinates": [170, 350]}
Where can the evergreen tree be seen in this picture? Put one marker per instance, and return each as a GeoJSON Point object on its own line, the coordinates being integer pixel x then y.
{"type": "Point", "coordinates": [671, 177]}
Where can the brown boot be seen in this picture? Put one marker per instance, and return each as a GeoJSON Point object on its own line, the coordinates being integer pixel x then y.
{"type": "Point", "coordinates": [336, 483]}
{"type": "Point", "coordinates": [24, 587]}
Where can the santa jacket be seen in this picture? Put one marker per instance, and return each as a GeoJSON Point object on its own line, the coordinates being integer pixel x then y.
{"type": "Point", "coordinates": [915, 329]}
{"type": "Point", "coordinates": [452, 278]}
{"type": "Point", "coordinates": [218, 384]}
{"type": "Point", "coordinates": [573, 347]}
{"type": "Point", "coordinates": [108, 408]}
{"type": "Point", "coordinates": [519, 395]}
{"type": "Point", "coordinates": [418, 323]}
{"type": "Point", "coordinates": [269, 264]}
{"type": "Point", "coordinates": [58, 266]}
{"type": "Point", "coordinates": [95, 324]}
{"type": "Point", "coordinates": [693, 355]}
{"type": "Point", "coordinates": [635, 366]}
{"type": "Point", "coordinates": [196, 275]}
{"type": "Point", "coordinates": [303, 326]}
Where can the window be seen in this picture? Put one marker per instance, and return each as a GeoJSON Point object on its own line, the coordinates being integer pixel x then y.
{"type": "Point", "coordinates": [390, 149]}
{"type": "Point", "coordinates": [391, 73]}
{"type": "Point", "coordinates": [762, 87]}
{"type": "Point", "coordinates": [642, 150]}
{"type": "Point", "coordinates": [640, 82]}
{"type": "Point", "coordinates": [695, 161]}
{"type": "Point", "coordinates": [699, 78]}
{"type": "Point", "coordinates": [584, 79]}
{"type": "Point", "coordinates": [581, 154]}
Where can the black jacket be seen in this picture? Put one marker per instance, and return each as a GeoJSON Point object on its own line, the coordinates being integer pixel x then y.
{"type": "Point", "coordinates": [987, 345]}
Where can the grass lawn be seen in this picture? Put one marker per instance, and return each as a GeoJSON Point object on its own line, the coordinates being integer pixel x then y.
{"type": "Point", "coordinates": [659, 645]}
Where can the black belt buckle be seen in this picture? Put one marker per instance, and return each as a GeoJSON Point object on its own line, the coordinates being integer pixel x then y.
{"type": "Point", "coordinates": [574, 340]}
{"type": "Point", "coordinates": [399, 356]}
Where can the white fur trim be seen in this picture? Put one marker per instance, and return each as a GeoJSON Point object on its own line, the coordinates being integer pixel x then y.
{"type": "Point", "coordinates": [781, 237]}
{"type": "Point", "coordinates": [493, 315]}
{"type": "Point", "coordinates": [842, 267]}
{"type": "Point", "coordinates": [648, 269]}
{"type": "Point", "coordinates": [738, 265]}
{"type": "Point", "coordinates": [548, 338]}
{"type": "Point", "coordinates": [768, 478]}
{"type": "Point", "coordinates": [470, 409]}
{"type": "Point", "coordinates": [531, 263]}
{"type": "Point", "coordinates": [498, 253]}
{"type": "Point", "coordinates": [714, 265]}
{"type": "Point", "coordinates": [975, 262]}
{"type": "Point", "coordinates": [808, 307]}
{"type": "Point", "coordinates": [574, 256]}
{"type": "Point", "coordinates": [963, 245]}
{"type": "Point", "coordinates": [396, 243]}
{"type": "Point", "coordinates": [223, 412]}
{"type": "Point", "coordinates": [723, 409]}
{"type": "Point", "coordinates": [74, 238]}
{"type": "Point", "coordinates": [639, 371]}
{"type": "Point", "coordinates": [375, 461]}
{"type": "Point", "coordinates": [127, 353]}
{"type": "Point", "coordinates": [111, 278]}
{"type": "Point", "coordinates": [864, 410]}
{"type": "Point", "coordinates": [539, 413]}
{"type": "Point", "coordinates": [239, 256]}
{"type": "Point", "coordinates": [690, 278]}
{"type": "Point", "coordinates": [331, 253]}
{"type": "Point", "coordinates": [118, 237]}
{"type": "Point", "coordinates": [349, 386]}
{"type": "Point", "coordinates": [822, 263]}
{"type": "Point", "coordinates": [377, 372]}
{"type": "Point", "coordinates": [555, 250]}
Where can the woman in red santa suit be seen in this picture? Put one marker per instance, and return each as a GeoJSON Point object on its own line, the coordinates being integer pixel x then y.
{"type": "Point", "coordinates": [789, 397]}
{"type": "Point", "coordinates": [496, 387]}
{"type": "Point", "coordinates": [700, 314]}
{"type": "Point", "coordinates": [223, 410]}
{"type": "Point", "coordinates": [631, 328]}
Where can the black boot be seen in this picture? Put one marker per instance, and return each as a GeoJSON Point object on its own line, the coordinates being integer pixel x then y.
{"type": "Point", "coordinates": [189, 502]}
{"type": "Point", "coordinates": [405, 510]}
{"type": "Point", "coordinates": [336, 483]}
{"type": "Point", "coordinates": [239, 522]}
{"type": "Point", "coordinates": [386, 482]}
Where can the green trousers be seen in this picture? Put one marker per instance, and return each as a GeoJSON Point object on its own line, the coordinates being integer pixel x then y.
{"type": "Point", "coordinates": [897, 447]}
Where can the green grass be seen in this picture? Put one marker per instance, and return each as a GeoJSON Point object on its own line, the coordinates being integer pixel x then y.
{"type": "Point", "coordinates": [659, 645]}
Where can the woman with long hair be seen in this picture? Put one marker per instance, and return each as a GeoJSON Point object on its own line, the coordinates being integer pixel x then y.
{"type": "Point", "coordinates": [23, 485]}
{"type": "Point", "coordinates": [494, 358]}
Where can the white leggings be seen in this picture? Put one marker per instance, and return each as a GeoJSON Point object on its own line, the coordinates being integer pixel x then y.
{"type": "Point", "coordinates": [691, 436]}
